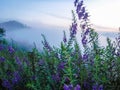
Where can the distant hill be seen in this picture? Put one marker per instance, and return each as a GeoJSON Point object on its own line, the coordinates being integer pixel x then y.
{"type": "Point", "coordinates": [12, 25]}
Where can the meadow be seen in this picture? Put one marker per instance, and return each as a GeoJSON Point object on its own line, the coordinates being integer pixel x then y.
{"type": "Point", "coordinates": [71, 66]}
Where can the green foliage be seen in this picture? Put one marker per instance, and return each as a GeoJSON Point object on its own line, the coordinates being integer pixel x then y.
{"type": "Point", "coordinates": [54, 67]}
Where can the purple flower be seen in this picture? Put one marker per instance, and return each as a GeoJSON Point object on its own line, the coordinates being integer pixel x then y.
{"type": "Point", "coordinates": [74, 28]}
{"type": "Point", "coordinates": [16, 77]}
{"type": "Point", "coordinates": [56, 77]}
{"type": "Point", "coordinates": [85, 16]}
{"type": "Point", "coordinates": [100, 87]}
{"type": "Point", "coordinates": [2, 59]}
{"type": "Point", "coordinates": [83, 10]}
{"type": "Point", "coordinates": [77, 87]}
{"type": "Point", "coordinates": [94, 87]}
{"type": "Point", "coordinates": [85, 56]}
{"type": "Point", "coordinates": [75, 2]}
{"type": "Point", "coordinates": [84, 40]}
{"type": "Point", "coordinates": [64, 39]}
{"type": "Point", "coordinates": [80, 10]}
{"type": "Point", "coordinates": [6, 84]}
{"type": "Point", "coordinates": [46, 45]}
{"type": "Point", "coordinates": [66, 87]}
{"type": "Point", "coordinates": [61, 65]}
{"type": "Point", "coordinates": [11, 50]}
{"type": "Point", "coordinates": [18, 61]}
{"type": "Point", "coordinates": [118, 53]}
{"type": "Point", "coordinates": [70, 86]}
{"type": "Point", "coordinates": [79, 6]}
{"type": "Point", "coordinates": [80, 15]}
{"type": "Point", "coordinates": [87, 31]}
{"type": "Point", "coordinates": [83, 26]}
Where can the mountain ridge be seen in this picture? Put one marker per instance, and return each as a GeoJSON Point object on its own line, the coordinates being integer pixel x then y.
{"type": "Point", "coordinates": [12, 25]}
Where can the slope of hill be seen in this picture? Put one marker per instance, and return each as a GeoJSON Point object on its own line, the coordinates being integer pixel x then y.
{"type": "Point", "coordinates": [12, 25]}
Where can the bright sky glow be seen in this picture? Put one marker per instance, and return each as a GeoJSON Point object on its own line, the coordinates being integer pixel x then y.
{"type": "Point", "coordinates": [105, 12]}
{"type": "Point", "coordinates": [58, 12]}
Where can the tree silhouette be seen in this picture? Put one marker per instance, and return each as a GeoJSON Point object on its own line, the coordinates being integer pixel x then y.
{"type": "Point", "coordinates": [2, 34]}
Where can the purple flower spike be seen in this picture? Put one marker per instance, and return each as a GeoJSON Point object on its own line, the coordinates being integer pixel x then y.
{"type": "Point", "coordinates": [75, 2]}
{"type": "Point", "coordinates": [18, 61]}
{"type": "Point", "coordinates": [83, 18]}
{"type": "Point", "coordinates": [77, 87]}
{"type": "Point", "coordinates": [46, 44]}
{"type": "Point", "coordinates": [66, 87]}
{"type": "Point", "coordinates": [11, 50]}
{"type": "Point", "coordinates": [79, 6]}
{"type": "Point", "coordinates": [16, 78]}
{"type": "Point", "coordinates": [2, 59]}
{"type": "Point", "coordinates": [73, 29]}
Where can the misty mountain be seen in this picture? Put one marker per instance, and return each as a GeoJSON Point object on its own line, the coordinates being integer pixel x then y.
{"type": "Point", "coordinates": [12, 25]}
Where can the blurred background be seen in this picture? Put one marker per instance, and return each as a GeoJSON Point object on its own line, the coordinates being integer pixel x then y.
{"type": "Point", "coordinates": [25, 20]}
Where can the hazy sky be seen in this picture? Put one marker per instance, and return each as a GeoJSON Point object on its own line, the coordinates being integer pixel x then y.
{"type": "Point", "coordinates": [58, 12]}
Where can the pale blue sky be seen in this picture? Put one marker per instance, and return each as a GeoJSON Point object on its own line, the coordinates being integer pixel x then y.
{"type": "Point", "coordinates": [58, 12]}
